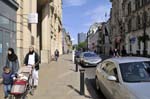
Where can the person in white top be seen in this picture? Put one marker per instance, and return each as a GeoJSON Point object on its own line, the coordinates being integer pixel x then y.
{"type": "Point", "coordinates": [32, 59]}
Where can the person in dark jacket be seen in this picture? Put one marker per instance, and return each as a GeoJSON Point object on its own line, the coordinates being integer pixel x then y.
{"type": "Point", "coordinates": [111, 52]}
{"type": "Point", "coordinates": [7, 80]}
{"type": "Point", "coordinates": [123, 51]}
{"type": "Point", "coordinates": [32, 59]}
{"type": "Point", "coordinates": [56, 54]}
{"type": "Point", "coordinates": [12, 61]}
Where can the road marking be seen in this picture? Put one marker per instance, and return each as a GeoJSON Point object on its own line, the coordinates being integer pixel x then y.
{"type": "Point", "coordinates": [65, 74]}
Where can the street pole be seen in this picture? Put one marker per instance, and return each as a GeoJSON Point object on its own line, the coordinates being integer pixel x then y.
{"type": "Point", "coordinates": [144, 33]}
{"type": "Point", "coordinates": [82, 81]}
{"type": "Point", "coordinates": [87, 41]}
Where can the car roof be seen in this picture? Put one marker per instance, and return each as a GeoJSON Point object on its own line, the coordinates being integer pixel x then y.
{"type": "Point", "coordinates": [128, 59]}
{"type": "Point", "coordinates": [88, 52]}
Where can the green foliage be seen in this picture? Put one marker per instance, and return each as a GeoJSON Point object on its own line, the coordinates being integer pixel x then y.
{"type": "Point", "coordinates": [142, 38]}
{"type": "Point", "coordinates": [82, 45]}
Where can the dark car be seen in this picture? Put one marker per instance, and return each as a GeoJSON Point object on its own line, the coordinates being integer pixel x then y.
{"type": "Point", "coordinates": [89, 59]}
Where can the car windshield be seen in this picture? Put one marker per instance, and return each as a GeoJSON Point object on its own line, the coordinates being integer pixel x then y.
{"type": "Point", "coordinates": [135, 71]}
{"type": "Point", "coordinates": [90, 55]}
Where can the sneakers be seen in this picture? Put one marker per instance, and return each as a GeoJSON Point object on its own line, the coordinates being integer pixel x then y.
{"type": "Point", "coordinates": [35, 87]}
{"type": "Point", "coordinates": [5, 97]}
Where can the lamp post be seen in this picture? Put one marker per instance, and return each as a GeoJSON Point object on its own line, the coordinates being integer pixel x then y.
{"type": "Point", "coordinates": [144, 32]}
{"type": "Point", "coordinates": [87, 42]}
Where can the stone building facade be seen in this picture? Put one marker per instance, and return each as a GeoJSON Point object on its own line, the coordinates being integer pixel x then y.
{"type": "Point", "coordinates": [137, 18]}
{"type": "Point", "coordinates": [46, 35]}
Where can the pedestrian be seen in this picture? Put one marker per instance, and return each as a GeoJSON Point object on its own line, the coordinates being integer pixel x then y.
{"type": "Point", "coordinates": [7, 80]}
{"type": "Point", "coordinates": [12, 61]}
{"type": "Point", "coordinates": [111, 52]}
{"type": "Point", "coordinates": [123, 51]}
{"type": "Point", "coordinates": [56, 54]}
{"type": "Point", "coordinates": [116, 52]}
{"type": "Point", "coordinates": [33, 59]}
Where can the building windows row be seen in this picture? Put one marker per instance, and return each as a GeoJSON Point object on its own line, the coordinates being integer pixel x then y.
{"type": "Point", "coordinates": [7, 23]}
{"type": "Point", "coordinates": [137, 22]}
{"type": "Point", "coordinates": [135, 5]}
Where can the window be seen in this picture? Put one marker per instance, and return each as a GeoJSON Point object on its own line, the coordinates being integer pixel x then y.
{"type": "Point", "coordinates": [129, 8]}
{"type": "Point", "coordinates": [137, 2]}
{"type": "Point", "coordinates": [129, 25]}
{"type": "Point", "coordinates": [135, 71]}
{"type": "Point", "coordinates": [107, 67]}
{"type": "Point", "coordinates": [138, 22]}
{"type": "Point", "coordinates": [4, 22]}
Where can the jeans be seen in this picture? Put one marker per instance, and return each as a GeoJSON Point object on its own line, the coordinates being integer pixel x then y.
{"type": "Point", "coordinates": [7, 89]}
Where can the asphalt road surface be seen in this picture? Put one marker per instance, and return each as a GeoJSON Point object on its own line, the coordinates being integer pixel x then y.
{"type": "Point", "coordinates": [90, 81]}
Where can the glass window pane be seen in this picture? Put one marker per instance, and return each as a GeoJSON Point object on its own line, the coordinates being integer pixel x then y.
{"type": "Point", "coordinates": [4, 22]}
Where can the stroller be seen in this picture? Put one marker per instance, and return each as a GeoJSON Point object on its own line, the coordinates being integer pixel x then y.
{"type": "Point", "coordinates": [23, 84]}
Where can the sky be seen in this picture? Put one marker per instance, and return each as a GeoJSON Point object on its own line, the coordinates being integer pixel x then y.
{"type": "Point", "coordinates": [78, 15]}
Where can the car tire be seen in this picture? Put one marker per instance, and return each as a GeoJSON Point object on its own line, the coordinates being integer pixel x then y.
{"type": "Point", "coordinates": [97, 84]}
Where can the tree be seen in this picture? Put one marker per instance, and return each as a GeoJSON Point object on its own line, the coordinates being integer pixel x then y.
{"type": "Point", "coordinates": [82, 45]}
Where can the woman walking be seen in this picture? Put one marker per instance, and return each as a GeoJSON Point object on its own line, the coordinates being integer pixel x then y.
{"type": "Point", "coordinates": [12, 61]}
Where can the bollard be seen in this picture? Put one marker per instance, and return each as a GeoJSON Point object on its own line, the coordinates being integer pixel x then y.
{"type": "Point", "coordinates": [76, 67]}
{"type": "Point", "coordinates": [82, 81]}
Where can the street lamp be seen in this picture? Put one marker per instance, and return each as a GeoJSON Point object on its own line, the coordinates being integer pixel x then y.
{"type": "Point", "coordinates": [144, 32]}
{"type": "Point", "coordinates": [87, 42]}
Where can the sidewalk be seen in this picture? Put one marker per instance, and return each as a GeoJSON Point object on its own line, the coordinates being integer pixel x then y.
{"type": "Point", "coordinates": [59, 81]}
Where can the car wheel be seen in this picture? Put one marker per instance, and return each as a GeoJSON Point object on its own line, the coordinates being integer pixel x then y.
{"type": "Point", "coordinates": [97, 84]}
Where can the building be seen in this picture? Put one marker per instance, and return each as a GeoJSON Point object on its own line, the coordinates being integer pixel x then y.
{"type": "Point", "coordinates": [94, 37]}
{"type": "Point", "coordinates": [66, 42]}
{"type": "Point", "coordinates": [81, 37]}
{"type": "Point", "coordinates": [45, 34]}
{"type": "Point", "coordinates": [137, 26]}
{"type": "Point", "coordinates": [8, 22]}
{"type": "Point", "coordinates": [116, 20]}
{"type": "Point", "coordinates": [106, 37]}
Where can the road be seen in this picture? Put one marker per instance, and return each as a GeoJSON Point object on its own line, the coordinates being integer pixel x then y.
{"type": "Point", "coordinates": [90, 79]}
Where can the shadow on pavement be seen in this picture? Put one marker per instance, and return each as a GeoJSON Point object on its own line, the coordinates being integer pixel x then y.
{"type": "Point", "coordinates": [76, 90]}
{"type": "Point", "coordinates": [91, 87]}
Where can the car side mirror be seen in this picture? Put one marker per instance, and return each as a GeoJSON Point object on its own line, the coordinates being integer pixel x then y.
{"type": "Point", "coordinates": [112, 78]}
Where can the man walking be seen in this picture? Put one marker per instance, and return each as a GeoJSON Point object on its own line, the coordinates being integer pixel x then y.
{"type": "Point", "coordinates": [56, 54]}
{"type": "Point", "coordinates": [32, 59]}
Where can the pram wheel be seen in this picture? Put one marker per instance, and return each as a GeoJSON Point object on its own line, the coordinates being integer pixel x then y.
{"type": "Point", "coordinates": [18, 97]}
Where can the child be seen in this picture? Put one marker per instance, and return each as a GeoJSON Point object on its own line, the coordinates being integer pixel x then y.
{"type": "Point", "coordinates": [7, 80]}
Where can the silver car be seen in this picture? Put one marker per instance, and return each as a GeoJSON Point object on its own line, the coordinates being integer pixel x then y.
{"type": "Point", "coordinates": [124, 78]}
{"type": "Point", "coordinates": [89, 59]}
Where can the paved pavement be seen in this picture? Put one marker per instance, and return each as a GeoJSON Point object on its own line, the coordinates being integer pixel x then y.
{"type": "Point", "coordinates": [58, 80]}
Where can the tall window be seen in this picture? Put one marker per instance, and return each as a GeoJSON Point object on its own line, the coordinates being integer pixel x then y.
{"type": "Point", "coordinates": [129, 8]}
{"type": "Point", "coordinates": [137, 4]}
{"type": "Point", "coordinates": [138, 22]}
{"type": "Point", "coordinates": [129, 25]}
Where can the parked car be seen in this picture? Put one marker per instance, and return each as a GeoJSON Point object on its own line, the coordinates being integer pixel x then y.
{"type": "Point", "coordinates": [77, 57]}
{"type": "Point", "coordinates": [124, 78]}
{"type": "Point", "coordinates": [89, 59]}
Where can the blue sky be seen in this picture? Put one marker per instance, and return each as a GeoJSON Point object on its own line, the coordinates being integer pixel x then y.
{"type": "Point", "coordinates": [78, 15]}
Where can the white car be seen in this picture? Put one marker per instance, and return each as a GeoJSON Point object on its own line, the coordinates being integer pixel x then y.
{"type": "Point", "coordinates": [88, 59]}
{"type": "Point", "coordinates": [124, 78]}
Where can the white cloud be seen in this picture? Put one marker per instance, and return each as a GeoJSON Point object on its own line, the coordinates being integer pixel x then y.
{"type": "Point", "coordinates": [98, 14]}
{"type": "Point", "coordinates": [74, 2]}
